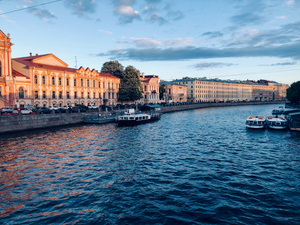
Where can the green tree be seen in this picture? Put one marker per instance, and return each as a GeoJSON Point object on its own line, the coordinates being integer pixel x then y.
{"type": "Point", "coordinates": [113, 67]}
{"type": "Point", "coordinates": [131, 88]}
{"type": "Point", "coordinates": [293, 93]}
{"type": "Point", "coordinates": [161, 91]}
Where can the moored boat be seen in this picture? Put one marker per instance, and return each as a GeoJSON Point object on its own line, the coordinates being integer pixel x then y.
{"type": "Point", "coordinates": [278, 111]}
{"type": "Point", "coordinates": [132, 118]}
{"type": "Point", "coordinates": [256, 122]}
{"type": "Point", "coordinates": [294, 121]}
{"type": "Point", "coordinates": [100, 119]}
{"type": "Point", "coordinates": [276, 122]}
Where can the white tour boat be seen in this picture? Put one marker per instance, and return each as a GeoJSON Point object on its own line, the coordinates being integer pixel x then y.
{"type": "Point", "coordinates": [276, 122]}
{"type": "Point", "coordinates": [131, 117]}
{"type": "Point", "coordinates": [256, 122]}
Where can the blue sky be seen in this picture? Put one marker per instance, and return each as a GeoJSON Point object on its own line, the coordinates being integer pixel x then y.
{"type": "Point", "coordinates": [226, 39]}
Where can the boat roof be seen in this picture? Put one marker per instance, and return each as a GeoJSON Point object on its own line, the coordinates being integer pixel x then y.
{"type": "Point", "coordinates": [295, 115]}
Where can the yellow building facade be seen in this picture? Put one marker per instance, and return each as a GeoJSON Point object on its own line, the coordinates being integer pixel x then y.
{"type": "Point", "coordinates": [45, 80]}
{"type": "Point", "coordinates": [215, 90]}
{"type": "Point", "coordinates": [150, 84]}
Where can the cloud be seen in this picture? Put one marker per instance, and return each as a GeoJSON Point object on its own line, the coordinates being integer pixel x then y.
{"type": "Point", "coordinates": [213, 34]}
{"type": "Point", "coordinates": [43, 14]}
{"type": "Point", "coordinates": [146, 42]}
{"type": "Point", "coordinates": [125, 12]}
{"type": "Point", "coordinates": [248, 18]}
{"type": "Point", "coordinates": [179, 41]}
{"type": "Point", "coordinates": [282, 64]}
{"type": "Point", "coordinates": [156, 18]}
{"type": "Point", "coordinates": [205, 65]}
{"type": "Point", "coordinates": [280, 17]}
{"type": "Point", "coordinates": [104, 31]}
{"type": "Point", "coordinates": [192, 52]}
{"type": "Point", "coordinates": [82, 8]}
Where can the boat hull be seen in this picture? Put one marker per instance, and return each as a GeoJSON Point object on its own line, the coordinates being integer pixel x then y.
{"type": "Point", "coordinates": [255, 126]}
{"type": "Point", "coordinates": [128, 123]}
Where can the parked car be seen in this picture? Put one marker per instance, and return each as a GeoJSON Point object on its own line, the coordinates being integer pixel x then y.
{"type": "Point", "coordinates": [6, 110]}
{"type": "Point", "coordinates": [82, 108]}
{"type": "Point", "coordinates": [93, 107]}
{"type": "Point", "coordinates": [44, 110]}
{"type": "Point", "coordinates": [54, 107]}
{"type": "Point", "coordinates": [24, 111]}
{"type": "Point", "coordinates": [60, 110]}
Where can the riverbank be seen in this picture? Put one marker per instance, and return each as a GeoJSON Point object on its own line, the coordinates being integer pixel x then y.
{"type": "Point", "coordinates": [10, 124]}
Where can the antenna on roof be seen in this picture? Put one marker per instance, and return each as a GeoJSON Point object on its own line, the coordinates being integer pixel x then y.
{"type": "Point", "coordinates": [75, 62]}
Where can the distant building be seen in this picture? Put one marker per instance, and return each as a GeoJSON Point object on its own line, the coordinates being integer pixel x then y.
{"type": "Point", "coordinates": [212, 90]}
{"type": "Point", "coordinates": [150, 85]}
{"type": "Point", "coordinates": [45, 80]}
{"type": "Point", "coordinates": [175, 93]}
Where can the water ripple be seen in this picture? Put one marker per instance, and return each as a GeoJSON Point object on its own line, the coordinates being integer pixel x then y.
{"type": "Point", "coordinates": [192, 167]}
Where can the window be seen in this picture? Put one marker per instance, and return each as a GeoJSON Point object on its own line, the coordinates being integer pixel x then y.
{"type": "Point", "coordinates": [36, 94]}
{"type": "Point", "coordinates": [88, 83]}
{"type": "Point", "coordinates": [44, 94]}
{"type": "Point", "coordinates": [94, 84]}
{"type": "Point", "coordinates": [108, 95]}
{"type": "Point", "coordinates": [88, 94]}
{"type": "Point", "coordinates": [0, 69]}
{"type": "Point", "coordinates": [21, 92]}
{"type": "Point", "coordinates": [103, 95]}
{"type": "Point", "coordinates": [99, 95]}
{"type": "Point", "coordinates": [60, 94]}
{"type": "Point", "coordinates": [44, 80]}
{"type": "Point", "coordinates": [68, 94]}
{"type": "Point", "coordinates": [0, 91]}
{"type": "Point", "coordinates": [67, 81]}
{"type": "Point", "coordinates": [35, 79]}
{"type": "Point", "coordinates": [103, 84]}
{"type": "Point", "coordinates": [81, 82]}
{"type": "Point", "coordinates": [75, 94]}
{"type": "Point", "coordinates": [113, 95]}
{"type": "Point", "coordinates": [59, 81]}
{"type": "Point", "coordinates": [99, 84]}
{"type": "Point", "coordinates": [74, 82]}
{"type": "Point", "coordinates": [53, 94]}
{"type": "Point", "coordinates": [81, 94]}
{"type": "Point", "coordinates": [53, 80]}
{"type": "Point", "coordinates": [94, 95]}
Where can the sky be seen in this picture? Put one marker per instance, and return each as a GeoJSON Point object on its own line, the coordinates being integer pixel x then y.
{"type": "Point", "coordinates": [225, 39]}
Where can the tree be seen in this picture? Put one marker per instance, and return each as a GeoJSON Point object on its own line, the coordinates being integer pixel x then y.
{"type": "Point", "coordinates": [161, 91]}
{"type": "Point", "coordinates": [113, 67]}
{"type": "Point", "coordinates": [131, 88]}
{"type": "Point", "coordinates": [293, 93]}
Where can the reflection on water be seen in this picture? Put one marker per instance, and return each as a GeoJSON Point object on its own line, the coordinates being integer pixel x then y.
{"type": "Point", "coordinates": [191, 167]}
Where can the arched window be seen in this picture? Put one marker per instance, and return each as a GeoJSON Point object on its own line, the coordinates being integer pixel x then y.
{"type": "Point", "coordinates": [0, 69]}
{"type": "Point", "coordinates": [21, 92]}
{"type": "Point", "coordinates": [81, 82]}
{"type": "Point", "coordinates": [53, 80]}
{"type": "Point", "coordinates": [44, 80]}
{"type": "Point", "coordinates": [35, 79]}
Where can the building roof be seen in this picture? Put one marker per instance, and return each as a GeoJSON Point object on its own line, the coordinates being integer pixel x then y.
{"type": "Point", "coordinates": [35, 61]}
{"type": "Point", "coordinates": [17, 74]}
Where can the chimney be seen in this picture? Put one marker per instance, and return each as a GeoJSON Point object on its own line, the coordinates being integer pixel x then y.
{"type": "Point", "coordinates": [30, 54]}
{"type": "Point", "coordinates": [143, 75]}
{"type": "Point", "coordinates": [36, 54]}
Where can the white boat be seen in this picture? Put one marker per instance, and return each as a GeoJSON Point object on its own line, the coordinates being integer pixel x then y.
{"type": "Point", "coordinates": [131, 118]}
{"type": "Point", "coordinates": [256, 122]}
{"type": "Point", "coordinates": [276, 122]}
{"type": "Point", "coordinates": [278, 111]}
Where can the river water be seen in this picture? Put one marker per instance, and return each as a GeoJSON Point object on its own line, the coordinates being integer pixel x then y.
{"type": "Point", "coordinates": [192, 167]}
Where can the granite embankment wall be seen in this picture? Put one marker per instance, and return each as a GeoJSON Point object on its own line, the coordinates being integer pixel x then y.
{"type": "Point", "coordinates": [9, 124]}
{"type": "Point", "coordinates": [169, 109]}
{"type": "Point", "coordinates": [16, 123]}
